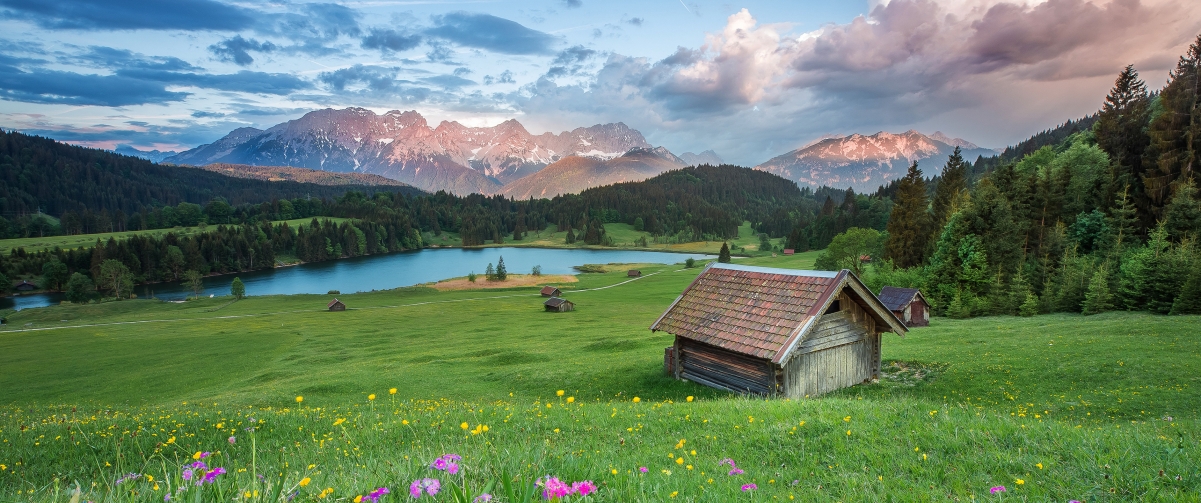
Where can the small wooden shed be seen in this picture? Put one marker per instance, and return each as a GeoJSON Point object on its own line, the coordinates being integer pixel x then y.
{"type": "Point", "coordinates": [634, 273]}
{"type": "Point", "coordinates": [25, 286]}
{"type": "Point", "coordinates": [907, 304]}
{"type": "Point", "coordinates": [550, 291]}
{"type": "Point", "coordinates": [789, 251]}
{"type": "Point", "coordinates": [336, 305]}
{"type": "Point", "coordinates": [559, 304]}
{"type": "Point", "coordinates": [776, 332]}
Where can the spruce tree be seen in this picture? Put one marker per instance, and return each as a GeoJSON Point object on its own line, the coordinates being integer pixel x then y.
{"type": "Point", "coordinates": [908, 227]}
{"type": "Point", "coordinates": [490, 272]}
{"type": "Point", "coordinates": [959, 308]}
{"type": "Point", "coordinates": [1123, 219]}
{"type": "Point", "coordinates": [1019, 290]}
{"type": "Point", "coordinates": [1174, 132]}
{"type": "Point", "coordinates": [1183, 213]}
{"type": "Point", "coordinates": [1189, 300]}
{"type": "Point", "coordinates": [501, 272]}
{"type": "Point", "coordinates": [724, 255]}
{"type": "Point", "coordinates": [1098, 299]}
{"type": "Point", "coordinates": [570, 236]}
{"type": "Point", "coordinates": [953, 180]}
{"type": "Point", "coordinates": [1121, 131]}
{"type": "Point", "coordinates": [1029, 307]}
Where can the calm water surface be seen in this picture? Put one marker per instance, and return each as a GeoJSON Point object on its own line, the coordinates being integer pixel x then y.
{"type": "Point", "coordinates": [383, 272]}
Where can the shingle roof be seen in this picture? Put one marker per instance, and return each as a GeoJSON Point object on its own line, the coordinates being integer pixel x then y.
{"type": "Point", "coordinates": [549, 290]}
{"type": "Point", "coordinates": [332, 302]}
{"type": "Point", "coordinates": [895, 298]}
{"type": "Point", "coordinates": [749, 310]}
{"type": "Point", "coordinates": [556, 301]}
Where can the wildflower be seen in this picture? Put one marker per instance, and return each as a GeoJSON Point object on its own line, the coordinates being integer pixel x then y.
{"type": "Point", "coordinates": [736, 471]}
{"type": "Point", "coordinates": [1040, 466]}
{"type": "Point", "coordinates": [339, 421]}
{"type": "Point", "coordinates": [689, 398]}
{"type": "Point", "coordinates": [233, 440]}
{"type": "Point", "coordinates": [679, 460]}
{"type": "Point", "coordinates": [201, 455]}
{"type": "Point", "coordinates": [447, 463]}
{"type": "Point", "coordinates": [305, 481]}
{"type": "Point", "coordinates": [847, 419]}
{"type": "Point", "coordinates": [559, 393]}
{"type": "Point", "coordinates": [1019, 481]}
{"type": "Point", "coordinates": [613, 471]}
{"type": "Point", "coordinates": [187, 474]}
{"type": "Point", "coordinates": [299, 399]}
{"type": "Point", "coordinates": [199, 465]}
{"type": "Point", "coordinates": [749, 487]}
{"type": "Point", "coordinates": [483, 498]}
{"type": "Point", "coordinates": [583, 488]}
{"type": "Point", "coordinates": [128, 477]}
{"type": "Point", "coordinates": [371, 396]}
{"type": "Point", "coordinates": [553, 488]}
{"type": "Point", "coordinates": [220, 425]}
{"type": "Point", "coordinates": [464, 425]}
{"type": "Point", "coordinates": [636, 399]}
{"type": "Point", "coordinates": [211, 475]}
{"type": "Point", "coordinates": [373, 497]}
{"type": "Point", "coordinates": [430, 486]}
{"type": "Point", "coordinates": [673, 494]}
{"type": "Point", "coordinates": [848, 433]}
{"type": "Point", "coordinates": [996, 489]}
{"type": "Point", "coordinates": [570, 399]}
{"type": "Point", "coordinates": [643, 469]}
{"type": "Point", "coordinates": [391, 391]}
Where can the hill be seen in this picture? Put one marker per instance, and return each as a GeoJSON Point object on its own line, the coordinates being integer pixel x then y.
{"type": "Point", "coordinates": [575, 174]}
{"type": "Point", "coordinates": [40, 174]}
{"type": "Point", "coordinates": [284, 173]}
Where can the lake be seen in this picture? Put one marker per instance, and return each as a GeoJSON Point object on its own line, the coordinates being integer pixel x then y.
{"type": "Point", "coordinates": [384, 272]}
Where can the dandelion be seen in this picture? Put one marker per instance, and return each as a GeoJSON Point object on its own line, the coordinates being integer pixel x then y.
{"type": "Point", "coordinates": [559, 393]}
{"type": "Point", "coordinates": [299, 399]}
{"type": "Point", "coordinates": [636, 399]}
{"type": "Point", "coordinates": [305, 481]}
{"type": "Point", "coordinates": [848, 433]}
{"type": "Point", "coordinates": [674, 494]}
{"type": "Point", "coordinates": [679, 460]}
{"type": "Point", "coordinates": [391, 391]}
{"type": "Point", "coordinates": [464, 425]}
{"type": "Point", "coordinates": [1019, 481]}
{"type": "Point", "coordinates": [570, 399]}
{"type": "Point", "coordinates": [371, 396]}
{"type": "Point", "coordinates": [339, 421]}
{"type": "Point", "coordinates": [996, 489]}
{"type": "Point", "coordinates": [689, 398]}
{"type": "Point", "coordinates": [1039, 465]}
{"type": "Point", "coordinates": [749, 487]}
{"type": "Point", "coordinates": [613, 471]}
{"type": "Point", "coordinates": [847, 419]}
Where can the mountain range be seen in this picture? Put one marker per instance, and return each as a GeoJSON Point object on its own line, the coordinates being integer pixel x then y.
{"type": "Point", "coordinates": [507, 159]}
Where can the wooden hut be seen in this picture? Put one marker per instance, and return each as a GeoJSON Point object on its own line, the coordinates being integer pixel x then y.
{"type": "Point", "coordinates": [776, 332]}
{"type": "Point", "coordinates": [25, 286]}
{"type": "Point", "coordinates": [789, 251]}
{"type": "Point", "coordinates": [634, 273]}
{"type": "Point", "coordinates": [559, 304]}
{"type": "Point", "coordinates": [907, 304]}
{"type": "Point", "coordinates": [550, 291]}
{"type": "Point", "coordinates": [336, 305]}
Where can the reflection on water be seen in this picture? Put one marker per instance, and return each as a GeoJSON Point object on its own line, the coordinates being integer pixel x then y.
{"type": "Point", "coordinates": [383, 272]}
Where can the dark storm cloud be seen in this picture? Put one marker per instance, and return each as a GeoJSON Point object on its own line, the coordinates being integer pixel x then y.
{"type": "Point", "coordinates": [491, 33]}
{"type": "Point", "coordinates": [237, 50]}
{"type": "Point", "coordinates": [130, 14]}
{"type": "Point", "coordinates": [390, 40]}
{"type": "Point", "coordinates": [52, 86]}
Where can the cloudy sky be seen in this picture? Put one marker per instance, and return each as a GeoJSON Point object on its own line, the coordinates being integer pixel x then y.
{"type": "Point", "coordinates": [749, 80]}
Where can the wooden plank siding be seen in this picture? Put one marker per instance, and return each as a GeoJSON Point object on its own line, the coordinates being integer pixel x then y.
{"type": "Point", "coordinates": [842, 350]}
{"type": "Point", "coordinates": [719, 368]}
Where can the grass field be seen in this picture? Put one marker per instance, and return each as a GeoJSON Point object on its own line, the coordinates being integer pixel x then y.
{"type": "Point", "coordinates": [81, 240]}
{"type": "Point", "coordinates": [624, 236]}
{"type": "Point", "coordinates": [1054, 408]}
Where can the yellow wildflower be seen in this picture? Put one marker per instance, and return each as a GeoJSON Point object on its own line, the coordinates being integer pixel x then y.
{"type": "Point", "coordinates": [1040, 466]}
{"type": "Point", "coordinates": [636, 399]}
{"type": "Point", "coordinates": [299, 399]}
{"type": "Point", "coordinates": [689, 398]}
{"type": "Point", "coordinates": [1019, 481]}
{"type": "Point", "coordinates": [371, 396]}
{"type": "Point", "coordinates": [339, 421]}
{"type": "Point", "coordinates": [570, 399]}
{"type": "Point", "coordinates": [559, 393]}
{"type": "Point", "coordinates": [305, 481]}
{"type": "Point", "coordinates": [613, 471]}
{"type": "Point", "coordinates": [464, 425]}
{"type": "Point", "coordinates": [391, 391]}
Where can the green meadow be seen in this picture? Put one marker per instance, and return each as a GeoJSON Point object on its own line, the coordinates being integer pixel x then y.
{"type": "Point", "coordinates": [1052, 408]}
{"type": "Point", "coordinates": [70, 242]}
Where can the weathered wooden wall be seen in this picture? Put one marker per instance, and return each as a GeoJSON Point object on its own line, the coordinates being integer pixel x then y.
{"type": "Point", "coordinates": [842, 350]}
{"type": "Point", "coordinates": [718, 368]}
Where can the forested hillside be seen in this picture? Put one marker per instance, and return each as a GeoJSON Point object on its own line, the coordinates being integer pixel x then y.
{"type": "Point", "coordinates": [1102, 218]}
{"type": "Point", "coordinates": [99, 191]}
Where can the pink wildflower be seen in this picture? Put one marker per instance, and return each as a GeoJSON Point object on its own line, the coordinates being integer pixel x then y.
{"type": "Point", "coordinates": [749, 487]}
{"type": "Point", "coordinates": [483, 498]}
{"type": "Point", "coordinates": [583, 488]}
{"type": "Point", "coordinates": [212, 475]}
{"type": "Point", "coordinates": [447, 463]}
{"type": "Point", "coordinates": [233, 440]}
{"type": "Point", "coordinates": [374, 496]}
{"type": "Point", "coordinates": [430, 486]}
{"type": "Point", "coordinates": [997, 489]}
{"type": "Point", "coordinates": [554, 488]}
{"type": "Point", "coordinates": [736, 471]}
{"type": "Point", "coordinates": [187, 474]}
{"type": "Point", "coordinates": [726, 461]}
{"type": "Point", "coordinates": [643, 469]}
{"type": "Point", "coordinates": [199, 465]}
{"type": "Point", "coordinates": [205, 455]}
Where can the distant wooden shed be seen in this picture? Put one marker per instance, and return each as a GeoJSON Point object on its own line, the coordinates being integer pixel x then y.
{"type": "Point", "coordinates": [789, 251]}
{"type": "Point", "coordinates": [25, 286]}
{"type": "Point", "coordinates": [908, 304]}
{"type": "Point", "coordinates": [550, 291]}
{"type": "Point", "coordinates": [634, 273]}
{"type": "Point", "coordinates": [336, 305]}
{"type": "Point", "coordinates": [776, 332]}
{"type": "Point", "coordinates": [559, 304]}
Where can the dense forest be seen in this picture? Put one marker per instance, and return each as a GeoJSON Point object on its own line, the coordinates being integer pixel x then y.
{"type": "Point", "coordinates": [1093, 219]}
{"type": "Point", "coordinates": [92, 190]}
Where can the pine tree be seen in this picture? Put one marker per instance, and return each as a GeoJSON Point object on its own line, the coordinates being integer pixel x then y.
{"type": "Point", "coordinates": [1120, 131]}
{"type": "Point", "coordinates": [501, 272]}
{"type": "Point", "coordinates": [724, 255]}
{"type": "Point", "coordinates": [1019, 290]}
{"type": "Point", "coordinates": [1189, 300]}
{"type": "Point", "coordinates": [1176, 131]}
{"type": "Point", "coordinates": [490, 272]}
{"type": "Point", "coordinates": [1183, 213]}
{"type": "Point", "coordinates": [959, 308]}
{"type": "Point", "coordinates": [908, 227]}
{"type": "Point", "coordinates": [953, 180]}
{"type": "Point", "coordinates": [570, 236]}
{"type": "Point", "coordinates": [1123, 218]}
{"type": "Point", "coordinates": [1098, 299]}
{"type": "Point", "coordinates": [1029, 307]}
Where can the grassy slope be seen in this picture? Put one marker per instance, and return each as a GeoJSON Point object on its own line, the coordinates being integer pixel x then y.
{"type": "Point", "coordinates": [81, 240]}
{"type": "Point", "coordinates": [624, 236]}
{"type": "Point", "coordinates": [1101, 386]}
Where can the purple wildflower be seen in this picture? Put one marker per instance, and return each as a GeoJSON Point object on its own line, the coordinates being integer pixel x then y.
{"type": "Point", "coordinates": [749, 487]}
{"type": "Point", "coordinates": [373, 497]}
{"type": "Point", "coordinates": [199, 465]}
{"type": "Point", "coordinates": [726, 461]}
{"type": "Point", "coordinates": [430, 486]}
{"type": "Point", "coordinates": [996, 489]}
{"type": "Point", "coordinates": [128, 477]}
{"type": "Point", "coordinates": [583, 488]}
{"type": "Point", "coordinates": [205, 454]}
{"type": "Point", "coordinates": [212, 475]}
{"type": "Point", "coordinates": [233, 440]}
{"type": "Point", "coordinates": [554, 488]}
{"type": "Point", "coordinates": [187, 474]}
{"type": "Point", "coordinates": [736, 471]}
{"type": "Point", "coordinates": [483, 498]}
{"type": "Point", "coordinates": [643, 469]}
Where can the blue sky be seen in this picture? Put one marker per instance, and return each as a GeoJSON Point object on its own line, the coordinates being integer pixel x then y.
{"type": "Point", "coordinates": [749, 80]}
